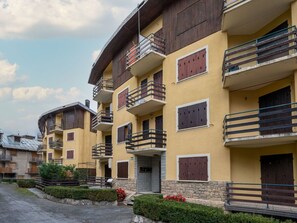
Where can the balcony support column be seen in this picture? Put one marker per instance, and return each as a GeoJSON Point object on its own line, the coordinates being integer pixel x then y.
{"type": "Point", "coordinates": [294, 12]}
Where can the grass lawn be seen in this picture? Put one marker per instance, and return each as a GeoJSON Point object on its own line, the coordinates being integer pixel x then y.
{"type": "Point", "coordinates": [24, 191]}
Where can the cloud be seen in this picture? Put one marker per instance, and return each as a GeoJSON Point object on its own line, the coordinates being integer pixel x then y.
{"type": "Point", "coordinates": [7, 72]}
{"type": "Point", "coordinates": [5, 92]}
{"type": "Point", "coordinates": [95, 54]}
{"type": "Point", "coordinates": [43, 19]}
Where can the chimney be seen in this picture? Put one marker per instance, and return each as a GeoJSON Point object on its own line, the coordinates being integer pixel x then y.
{"type": "Point", "coordinates": [87, 103]}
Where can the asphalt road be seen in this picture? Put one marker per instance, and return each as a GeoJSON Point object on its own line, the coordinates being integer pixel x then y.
{"type": "Point", "coordinates": [17, 206]}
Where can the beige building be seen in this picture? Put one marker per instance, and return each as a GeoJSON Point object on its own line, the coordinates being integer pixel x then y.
{"type": "Point", "coordinates": [201, 96]}
{"type": "Point", "coordinates": [18, 156]}
{"type": "Point", "coordinates": [67, 135]}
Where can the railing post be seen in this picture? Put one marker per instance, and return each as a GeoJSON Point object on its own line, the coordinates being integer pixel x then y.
{"type": "Point", "coordinates": [228, 195]}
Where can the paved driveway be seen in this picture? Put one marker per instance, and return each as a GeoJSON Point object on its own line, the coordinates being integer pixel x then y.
{"type": "Point", "coordinates": [17, 206]}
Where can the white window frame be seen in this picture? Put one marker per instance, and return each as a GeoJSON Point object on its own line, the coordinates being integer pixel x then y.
{"type": "Point", "coordinates": [118, 98]}
{"type": "Point", "coordinates": [189, 104]}
{"type": "Point", "coordinates": [122, 161]}
{"type": "Point", "coordinates": [73, 154]}
{"type": "Point", "coordinates": [195, 75]}
{"type": "Point", "coordinates": [192, 156]}
{"type": "Point", "coordinates": [118, 131]}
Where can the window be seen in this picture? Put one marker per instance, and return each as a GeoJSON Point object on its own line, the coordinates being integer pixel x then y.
{"type": "Point", "coordinates": [13, 152]}
{"type": "Point", "coordinates": [50, 156]}
{"type": "Point", "coordinates": [70, 136]}
{"type": "Point", "coordinates": [193, 115]}
{"type": "Point", "coordinates": [70, 154]}
{"type": "Point", "coordinates": [123, 132]}
{"type": "Point", "coordinates": [122, 98]}
{"type": "Point", "coordinates": [193, 168]}
{"type": "Point", "coordinates": [192, 65]}
{"type": "Point", "coordinates": [122, 169]}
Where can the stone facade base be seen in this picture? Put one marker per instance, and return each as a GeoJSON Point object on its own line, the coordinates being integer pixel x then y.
{"type": "Point", "coordinates": [126, 184]}
{"type": "Point", "coordinates": [212, 191]}
{"type": "Point", "coordinates": [141, 219]}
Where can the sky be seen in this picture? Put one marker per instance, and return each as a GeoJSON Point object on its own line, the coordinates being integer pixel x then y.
{"type": "Point", "coordinates": [47, 49]}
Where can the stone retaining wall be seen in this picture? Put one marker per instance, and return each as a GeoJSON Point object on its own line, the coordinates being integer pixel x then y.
{"type": "Point", "coordinates": [126, 184]}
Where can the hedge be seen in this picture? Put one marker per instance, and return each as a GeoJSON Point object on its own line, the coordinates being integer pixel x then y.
{"type": "Point", "coordinates": [81, 193]}
{"type": "Point", "coordinates": [8, 180]}
{"type": "Point", "coordinates": [158, 209]}
{"type": "Point", "coordinates": [26, 183]}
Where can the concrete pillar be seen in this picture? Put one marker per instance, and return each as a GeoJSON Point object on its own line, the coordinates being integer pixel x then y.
{"type": "Point", "coordinates": [294, 12]}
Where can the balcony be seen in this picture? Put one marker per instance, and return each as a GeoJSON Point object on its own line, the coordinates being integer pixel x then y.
{"type": "Point", "coordinates": [56, 161]}
{"type": "Point", "coordinates": [103, 91]}
{"type": "Point", "coordinates": [102, 151]}
{"type": "Point", "coordinates": [145, 56]}
{"type": "Point", "coordinates": [6, 170]}
{"type": "Point", "coordinates": [36, 160]}
{"type": "Point", "coordinates": [33, 171]}
{"type": "Point", "coordinates": [245, 17]}
{"type": "Point", "coordinates": [57, 128]}
{"type": "Point", "coordinates": [150, 142]}
{"type": "Point", "coordinates": [41, 148]}
{"type": "Point", "coordinates": [5, 158]}
{"type": "Point", "coordinates": [146, 99]}
{"type": "Point", "coordinates": [56, 145]}
{"type": "Point", "coordinates": [267, 199]}
{"type": "Point", "coordinates": [103, 121]}
{"type": "Point", "coordinates": [261, 127]}
{"type": "Point", "coordinates": [261, 61]}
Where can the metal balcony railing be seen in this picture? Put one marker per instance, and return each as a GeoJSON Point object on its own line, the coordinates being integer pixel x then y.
{"type": "Point", "coordinates": [150, 91]}
{"type": "Point", "coordinates": [278, 119]}
{"type": "Point", "coordinates": [56, 144]}
{"type": "Point", "coordinates": [57, 161]}
{"type": "Point", "coordinates": [102, 84]}
{"type": "Point", "coordinates": [102, 150]}
{"type": "Point", "coordinates": [35, 160]}
{"type": "Point", "coordinates": [267, 48]}
{"type": "Point", "coordinates": [4, 157]}
{"type": "Point", "coordinates": [147, 45]}
{"type": "Point", "coordinates": [151, 138]}
{"type": "Point", "coordinates": [55, 127]}
{"type": "Point", "coordinates": [102, 117]}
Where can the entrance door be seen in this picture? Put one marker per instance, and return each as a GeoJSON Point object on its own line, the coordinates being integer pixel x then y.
{"type": "Point", "coordinates": [278, 121]}
{"type": "Point", "coordinates": [107, 171]}
{"type": "Point", "coordinates": [159, 131]}
{"type": "Point", "coordinates": [277, 169]}
{"type": "Point", "coordinates": [108, 145]}
{"type": "Point", "coordinates": [158, 80]}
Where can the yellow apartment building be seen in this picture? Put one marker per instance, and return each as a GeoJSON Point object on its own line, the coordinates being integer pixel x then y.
{"type": "Point", "coordinates": [67, 135]}
{"type": "Point", "coordinates": [198, 97]}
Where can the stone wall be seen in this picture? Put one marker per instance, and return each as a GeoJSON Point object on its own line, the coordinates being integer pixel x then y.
{"type": "Point", "coordinates": [213, 191]}
{"type": "Point", "coordinates": [126, 184]}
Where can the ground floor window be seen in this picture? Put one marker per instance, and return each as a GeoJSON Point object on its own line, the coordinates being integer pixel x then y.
{"type": "Point", "coordinates": [122, 169]}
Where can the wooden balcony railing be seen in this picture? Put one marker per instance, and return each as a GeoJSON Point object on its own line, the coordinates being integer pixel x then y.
{"type": "Point", "coordinates": [6, 170]}
{"type": "Point", "coordinates": [267, 48]}
{"type": "Point", "coordinates": [102, 150]}
{"type": "Point", "coordinates": [152, 138]}
{"type": "Point", "coordinates": [270, 199]}
{"type": "Point", "coordinates": [56, 145]}
{"type": "Point", "coordinates": [278, 119]}
{"type": "Point", "coordinates": [150, 91]}
{"type": "Point", "coordinates": [150, 43]}
{"type": "Point", "coordinates": [102, 117]}
{"type": "Point", "coordinates": [102, 84]}
{"type": "Point", "coordinates": [35, 160]}
{"type": "Point", "coordinates": [6, 158]}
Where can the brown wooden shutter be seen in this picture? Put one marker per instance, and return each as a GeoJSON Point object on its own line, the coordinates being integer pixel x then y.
{"type": "Point", "coordinates": [121, 134]}
{"type": "Point", "coordinates": [70, 154]}
{"type": "Point", "coordinates": [193, 168]}
{"type": "Point", "coordinates": [202, 114]}
{"type": "Point", "coordinates": [70, 136]}
{"type": "Point", "coordinates": [122, 170]}
{"type": "Point", "coordinates": [192, 65]}
{"type": "Point", "coordinates": [122, 98]}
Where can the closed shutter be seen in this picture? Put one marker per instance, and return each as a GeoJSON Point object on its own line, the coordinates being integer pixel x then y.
{"type": "Point", "coordinates": [121, 134]}
{"type": "Point", "coordinates": [122, 170]}
{"type": "Point", "coordinates": [193, 168]}
{"type": "Point", "coordinates": [202, 114]}
{"type": "Point", "coordinates": [70, 136]}
{"type": "Point", "coordinates": [122, 98]}
{"type": "Point", "coordinates": [70, 154]}
{"type": "Point", "coordinates": [192, 65]}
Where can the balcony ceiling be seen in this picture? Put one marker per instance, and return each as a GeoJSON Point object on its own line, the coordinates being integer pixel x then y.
{"type": "Point", "coordinates": [252, 15]}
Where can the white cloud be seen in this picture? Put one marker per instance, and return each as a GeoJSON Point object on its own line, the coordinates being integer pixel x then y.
{"type": "Point", "coordinates": [7, 72]}
{"type": "Point", "coordinates": [95, 54]}
{"type": "Point", "coordinates": [41, 19]}
{"type": "Point", "coordinates": [5, 92]}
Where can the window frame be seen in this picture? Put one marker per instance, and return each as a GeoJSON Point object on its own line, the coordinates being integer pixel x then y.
{"type": "Point", "coordinates": [189, 104]}
{"type": "Point", "coordinates": [193, 156]}
{"type": "Point", "coordinates": [122, 161]}
{"type": "Point", "coordinates": [119, 108]}
{"type": "Point", "coordinates": [70, 150]}
{"type": "Point", "coordinates": [117, 135]}
{"type": "Point", "coordinates": [69, 133]}
{"type": "Point", "coordinates": [195, 75]}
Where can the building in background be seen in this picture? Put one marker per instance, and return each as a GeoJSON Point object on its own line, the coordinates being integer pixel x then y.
{"type": "Point", "coordinates": [165, 90]}
{"type": "Point", "coordinates": [67, 135]}
{"type": "Point", "coordinates": [18, 156]}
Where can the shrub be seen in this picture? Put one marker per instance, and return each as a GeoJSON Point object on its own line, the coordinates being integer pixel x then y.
{"type": "Point", "coordinates": [9, 180]}
{"type": "Point", "coordinates": [81, 193]}
{"type": "Point", "coordinates": [53, 171]}
{"type": "Point", "coordinates": [178, 198]}
{"type": "Point", "coordinates": [121, 194]}
{"type": "Point", "coordinates": [26, 183]}
{"type": "Point", "coordinates": [157, 209]}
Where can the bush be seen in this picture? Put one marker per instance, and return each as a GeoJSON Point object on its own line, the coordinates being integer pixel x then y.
{"type": "Point", "coordinates": [157, 209]}
{"type": "Point", "coordinates": [81, 193]}
{"type": "Point", "coordinates": [121, 194]}
{"type": "Point", "coordinates": [53, 171]}
{"type": "Point", "coordinates": [26, 183]}
{"type": "Point", "coordinates": [8, 180]}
